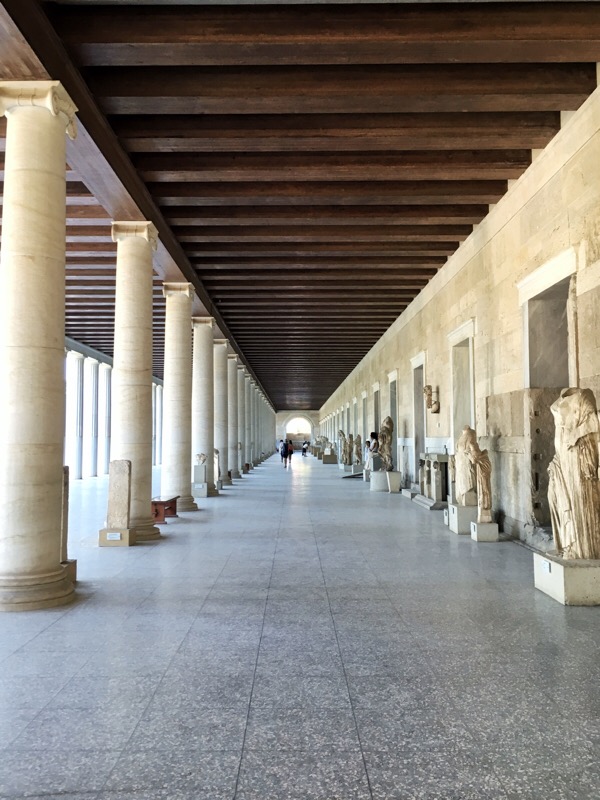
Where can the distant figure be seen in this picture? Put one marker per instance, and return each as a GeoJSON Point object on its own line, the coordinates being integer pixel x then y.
{"type": "Point", "coordinates": [283, 451]}
{"type": "Point", "coordinates": [290, 450]}
{"type": "Point", "coordinates": [304, 448]}
{"type": "Point", "coordinates": [280, 450]}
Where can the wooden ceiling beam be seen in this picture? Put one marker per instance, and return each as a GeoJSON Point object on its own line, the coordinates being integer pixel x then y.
{"type": "Point", "coordinates": [330, 233]}
{"type": "Point", "coordinates": [326, 215]}
{"type": "Point", "coordinates": [343, 193]}
{"type": "Point", "coordinates": [383, 34]}
{"type": "Point", "coordinates": [341, 90]}
{"type": "Point", "coordinates": [337, 133]}
{"type": "Point", "coordinates": [266, 277]}
{"type": "Point", "coordinates": [338, 249]}
{"type": "Point", "coordinates": [250, 265]}
{"type": "Point", "coordinates": [419, 165]}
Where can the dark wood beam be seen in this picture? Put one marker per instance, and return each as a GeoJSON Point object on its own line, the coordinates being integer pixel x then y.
{"type": "Point", "coordinates": [250, 265]}
{"type": "Point", "coordinates": [410, 166]}
{"type": "Point", "coordinates": [329, 193]}
{"type": "Point", "coordinates": [296, 133]}
{"type": "Point", "coordinates": [380, 34]}
{"type": "Point", "coordinates": [347, 89]}
{"type": "Point", "coordinates": [267, 249]}
{"type": "Point", "coordinates": [325, 215]}
{"type": "Point", "coordinates": [317, 233]}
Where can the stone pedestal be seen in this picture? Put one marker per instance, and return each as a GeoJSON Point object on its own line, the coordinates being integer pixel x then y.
{"type": "Point", "coordinates": [572, 582]}
{"type": "Point", "coordinates": [118, 531]}
{"type": "Point", "coordinates": [446, 517]}
{"type": "Point", "coordinates": [410, 493]}
{"type": "Point", "coordinates": [199, 483]}
{"type": "Point", "coordinates": [460, 518]}
{"type": "Point", "coordinates": [379, 482]}
{"type": "Point", "coordinates": [329, 457]}
{"type": "Point", "coordinates": [394, 479]}
{"type": "Point", "coordinates": [484, 532]}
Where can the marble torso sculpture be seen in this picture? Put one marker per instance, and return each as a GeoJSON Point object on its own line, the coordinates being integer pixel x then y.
{"type": "Point", "coordinates": [345, 449]}
{"type": "Point", "coordinates": [386, 436]}
{"type": "Point", "coordinates": [201, 458]}
{"type": "Point", "coordinates": [483, 471]}
{"type": "Point", "coordinates": [574, 489]}
{"type": "Point", "coordinates": [465, 476]}
{"type": "Point", "coordinates": [358, 456]}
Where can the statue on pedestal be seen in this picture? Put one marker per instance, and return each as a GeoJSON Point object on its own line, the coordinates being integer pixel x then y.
{"type": "Point", "coordinates": [217, 464]}
{"type": "Point", "coordinates": [574, 488]}
{"type": "Point", "coordinates": [386, 437]}
{"type": "Point", "coordinates": [358, 455]}
{"type": "Point", "coordinates": [466, 478]}
{"type": "Point", "coordinates": [483, 470]}
{"type": "Point", "coordinates": [201, 458]}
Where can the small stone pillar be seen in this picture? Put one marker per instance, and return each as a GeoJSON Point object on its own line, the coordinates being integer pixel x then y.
{"type": "Point", "coordinates": [118, 531]}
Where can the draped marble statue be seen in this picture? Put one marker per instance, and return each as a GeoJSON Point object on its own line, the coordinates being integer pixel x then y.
{"type": "Point", "coordinates": [465, 476]}
{"type": "Point", "coordinates": [483, 471]}
{"type": "Point", "coordinates": [358, 455]}
{"type": "Point", "coordinates": [345, 448]}
{"type": "Point", "coordinates": [386, 437]}
{"type": "Point", "coordinates": [574, 489]}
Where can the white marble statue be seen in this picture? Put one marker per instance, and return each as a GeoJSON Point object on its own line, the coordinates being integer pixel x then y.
{"type": "Point", "coordinates": [345, 448]}
{"type": "Point", "coordinates": [217, 464]}
{"type": "Point", "coordinates": [466, 477]}
{"type": "Point", "coordinates": [386, 438]}
{"type": "Point", "coordinates": [483, 470]}
{"type": "Point", "coordinates": [201, 458]}
{"type": "Point", "coordinates": [358, 454]}
{"type": "Point", "coordinates": [574, 489]}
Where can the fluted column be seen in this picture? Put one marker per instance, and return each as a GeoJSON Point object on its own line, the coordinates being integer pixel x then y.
{"type": "Point", "coordinates": [222, 408]}
{"type": "Point", "coordinates": [232, 414]}
{"type": "Point", "coordinates": [32, 344]}
{"type": "Point", "coordinates": [176, 473]}
{"type": "Point", "coordinates": [253, 431]}
{"type": "Point", "coordinates": [158, 423]}
{"type": "Point", "coordinates": [78, 360]}
{"type": "Point", "coordinates": [132, 368]}
{"type": "Point", "coordinates": [203, 401]}
{"type": "Point", "coordinates": [241, 387]}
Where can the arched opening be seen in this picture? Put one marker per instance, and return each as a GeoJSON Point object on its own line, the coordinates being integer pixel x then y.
{"type": "Point", "coordinates": [298, 429]}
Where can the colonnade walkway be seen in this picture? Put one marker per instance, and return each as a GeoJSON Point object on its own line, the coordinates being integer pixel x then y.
{"type": "Point", "coordinates": [300, 637]}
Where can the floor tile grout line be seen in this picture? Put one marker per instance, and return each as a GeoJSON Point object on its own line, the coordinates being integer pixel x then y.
{"type": "Point", "coordinates": [243, 748]}
{"type": "Point", "coordinates": [362, 752]}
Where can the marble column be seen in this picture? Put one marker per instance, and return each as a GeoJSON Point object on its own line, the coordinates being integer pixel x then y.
{"type": "Point", "coordinates": [158, 422]}
{"type": "Point", "coordinates": [241, 384]}
{"type": "Point", "coordinates": [247, 422]}
{"type": "Point", "coordinates": [132, 368]}
{"type": "Point", "coordinates": [104, 419]}
{"type": "Point", "coordinates": [176, 473]}
{"type": "Point", "coordinates": [221, 408]}
{"type": "Point", "coordinates": [203, 401]}
{"type": "Point", "coordinates": [79, 375]}
{"type": "Point", "coordinates": [254, 432]}
{"type": "Point", "coordinates": [32, 345]}
{"type": "Point", "coordinates": [232, 414]}
{"type": "Point", "coordinates": [93, 370]}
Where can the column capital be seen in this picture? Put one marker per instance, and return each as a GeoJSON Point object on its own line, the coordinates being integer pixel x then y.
{"type": "Point", "coordinates": [197, 321]}
{"type": "Point", "coordinates": [50, 95]}
{"type": "Point", "coordinates": [141, 229]}
{"type": "Point", "coordinates": [232, 357]}
{"type": "Point", "coordinates": [174, 289]}
{"type": "Point", "coordinates": [221, 342]}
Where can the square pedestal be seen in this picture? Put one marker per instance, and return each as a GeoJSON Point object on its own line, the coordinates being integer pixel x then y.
{"type": "Point", "coordinates": [379, 482]}
{"type": "Point", "coordinates": [112, 537]}
{"type": "Point", "coordinates": [200, 490]}
{"type": "Point", "coordinates": [393, 479]}
{"type": "Point", "coordinates": [446, 517]}
{"type": "Point", "coordinates": [329, 458]}
{"type": "Point", "coordinates": [573, 582]}
{"type": "Point", "coordinates": [484, 532]}
{"type": "Point", "coordinates": [460, 518]}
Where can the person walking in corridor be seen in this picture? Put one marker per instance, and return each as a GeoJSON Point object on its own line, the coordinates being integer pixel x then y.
{"type": "Point", "coordinates": [290, 450]}
{"type": "Point", "coordinates": [283, 451]}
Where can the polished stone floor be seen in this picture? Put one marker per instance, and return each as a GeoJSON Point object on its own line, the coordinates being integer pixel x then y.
{"type": "Point", "coordinates": [300, 637]}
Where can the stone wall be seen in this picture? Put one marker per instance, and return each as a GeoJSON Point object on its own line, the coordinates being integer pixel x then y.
{"type": "Point", "coordinates": [545, 230]}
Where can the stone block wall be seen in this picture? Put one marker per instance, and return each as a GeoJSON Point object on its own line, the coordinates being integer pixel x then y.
{"type": "Point", "coordinates": [549, 221]}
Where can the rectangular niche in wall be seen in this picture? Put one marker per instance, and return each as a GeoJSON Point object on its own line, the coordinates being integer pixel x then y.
{"type": "Point", "coordinates": [547, 332]}
{"type": "Point", "coordinates": [462, 387]}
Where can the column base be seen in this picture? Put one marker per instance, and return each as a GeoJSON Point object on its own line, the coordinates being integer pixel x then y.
{"type": "Point", "coordinates": [146, 532]}
{"type": "Point", "coordinates": [186, 504]}
{"type": "Point", "coordinates": [212, 491]}
{"type": "Point", "coordinates": [29, 593]}
{"type": "Point", "coordinates": [226, 481]}
{"type": "Point", "coordinates": [70, 568]}
{"type": "Point", "coordinates": [235, 474]}
{"type": "Point", "coordinates": [116, 537]}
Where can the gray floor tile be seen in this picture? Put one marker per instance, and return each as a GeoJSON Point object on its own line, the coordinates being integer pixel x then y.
{"type": "Point", "coordinates": [50, 772]}
{"type": "Point", "coordinates": [303, 729]}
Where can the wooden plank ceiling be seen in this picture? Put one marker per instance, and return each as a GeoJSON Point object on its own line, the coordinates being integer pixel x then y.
{"type": "Point", "coordinates": [316, 163]}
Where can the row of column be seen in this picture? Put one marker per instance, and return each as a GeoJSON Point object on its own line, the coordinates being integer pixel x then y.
{"type": "Point", "coordinates": [207, 405]}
